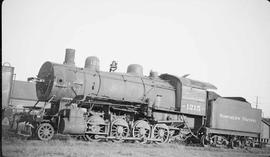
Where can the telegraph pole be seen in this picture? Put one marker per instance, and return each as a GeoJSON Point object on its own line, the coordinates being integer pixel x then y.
{"type": "Point", "coordinates": [257, 101]}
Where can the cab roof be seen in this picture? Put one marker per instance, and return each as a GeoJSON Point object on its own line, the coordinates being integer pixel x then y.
{"type": "Point", "coordinates": [189, 82]}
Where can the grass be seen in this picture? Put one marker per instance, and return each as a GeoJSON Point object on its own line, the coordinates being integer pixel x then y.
{"type": "Point", "coordinates": [13, 146]}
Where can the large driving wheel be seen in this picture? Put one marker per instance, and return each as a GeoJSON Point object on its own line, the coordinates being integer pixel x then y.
{"type": "Point", "coordinates": [95, 125]}
{"type": "Point", "coordinates": [160, 133]}
{"type": "Point", "coordinates": [141, 129]}
{"type": "Point", "coordinates": [119, 129]}
{"type": "Point", "coordinates": [45, 131]}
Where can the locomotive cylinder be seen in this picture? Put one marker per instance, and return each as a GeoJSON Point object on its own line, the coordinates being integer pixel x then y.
{"type": "Point", "coordinates": [74, 123]}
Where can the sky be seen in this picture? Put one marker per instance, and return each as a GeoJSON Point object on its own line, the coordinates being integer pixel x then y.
{"type": "Point", "coordinates": [226, 43]}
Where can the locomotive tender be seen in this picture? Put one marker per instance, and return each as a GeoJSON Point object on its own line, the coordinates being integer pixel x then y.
{"type": "Point", "coordinates": [130, 106]}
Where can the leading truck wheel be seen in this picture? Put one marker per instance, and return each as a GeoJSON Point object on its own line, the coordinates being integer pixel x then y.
{"type": "Point", "coordinates": [45, 131]}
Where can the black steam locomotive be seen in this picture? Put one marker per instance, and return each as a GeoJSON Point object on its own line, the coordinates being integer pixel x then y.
{"type": "Point", "coordinates": [98, 105]}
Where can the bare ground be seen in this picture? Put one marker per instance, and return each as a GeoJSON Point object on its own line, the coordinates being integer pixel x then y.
{"type": "Point", "coordinates": [13, 146]}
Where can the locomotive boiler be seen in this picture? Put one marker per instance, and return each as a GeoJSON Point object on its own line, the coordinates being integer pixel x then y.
{"type": "Point", "coordinates": [66, 80]}
{"type": "Point", "coordinates": [97, 105]}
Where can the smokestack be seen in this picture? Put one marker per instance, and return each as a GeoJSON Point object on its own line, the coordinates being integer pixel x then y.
{"type": "Point", "coordinates": [69, 57]}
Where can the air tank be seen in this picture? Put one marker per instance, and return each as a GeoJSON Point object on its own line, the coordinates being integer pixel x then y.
{"type": "Point", "coordinates": [7, 82]}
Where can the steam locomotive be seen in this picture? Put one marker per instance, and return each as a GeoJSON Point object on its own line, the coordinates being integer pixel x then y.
{"type": "Point", "coordinates": [99, 105]}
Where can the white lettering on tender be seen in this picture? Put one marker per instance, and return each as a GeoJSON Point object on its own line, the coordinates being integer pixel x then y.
{"type": "Point", "coordinates": [248, 119]}
{"type": "Point", "coordinates": [236, 118]}
{"type": "Point", "coordinates": [229, 117]}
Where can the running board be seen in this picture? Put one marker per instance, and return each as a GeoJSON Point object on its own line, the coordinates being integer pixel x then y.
{"type": "Point", "coordinates": [126, 138]}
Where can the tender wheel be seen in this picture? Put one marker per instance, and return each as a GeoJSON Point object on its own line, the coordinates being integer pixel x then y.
{"type": "Point", "coordinates": [119, 129]}
{"type": "Point", "coordinates": [250, 143]}
{"type": "Point", "coordinates": [219, 141]}
{"type": "Point", "coordinates": [216, 141]}
{"type": "Point", "coordinates": [45, 131]}
{"type": "Point", "coordinates": [204, 141]}
{"type": "Point", "coordinates": [235, 143]}
{"type": "Point", "coordinates": [141, 129]}
{"type": "Point", "coordinates": [160, 132]}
